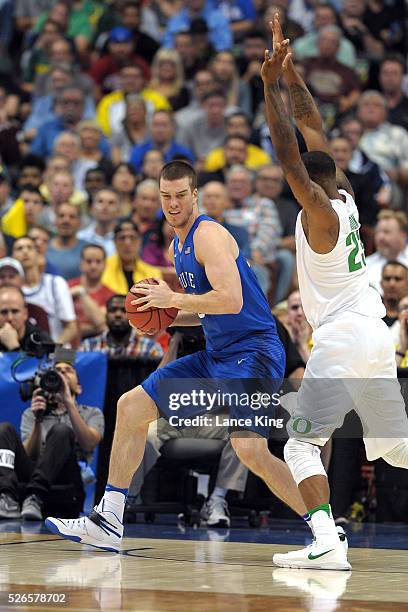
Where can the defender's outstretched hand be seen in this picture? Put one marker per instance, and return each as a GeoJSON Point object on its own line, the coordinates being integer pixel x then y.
{"type": "Point", "coordinates": [274, 65]}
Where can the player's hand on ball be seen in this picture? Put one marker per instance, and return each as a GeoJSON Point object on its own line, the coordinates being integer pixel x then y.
{"type": "Point", "coordinates": [157, 296]}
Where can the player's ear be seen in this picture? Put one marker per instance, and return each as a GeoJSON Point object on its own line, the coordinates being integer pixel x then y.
{"type": "Point", "coordinates": [195, 195]}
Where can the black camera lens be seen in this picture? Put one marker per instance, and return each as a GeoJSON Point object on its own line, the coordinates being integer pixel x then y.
{"type": "Point", "coordinates": [51, 381]}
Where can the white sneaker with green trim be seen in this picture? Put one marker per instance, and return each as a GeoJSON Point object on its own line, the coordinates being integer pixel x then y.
{"type": "Point", "coordinates": [321, 554]}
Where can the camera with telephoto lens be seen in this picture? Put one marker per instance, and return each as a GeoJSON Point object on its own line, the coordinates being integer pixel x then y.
{"type": "Point", "coordinates": [47, 378]}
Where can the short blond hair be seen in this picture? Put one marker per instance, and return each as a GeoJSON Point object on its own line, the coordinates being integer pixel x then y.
{"type": "Point", "coordinates": [399, 216]}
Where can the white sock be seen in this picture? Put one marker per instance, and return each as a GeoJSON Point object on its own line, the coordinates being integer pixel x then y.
{"type": "Point", "coordinates": [322, 523]}
{"type": "Point", "coordinates": [113, 501]}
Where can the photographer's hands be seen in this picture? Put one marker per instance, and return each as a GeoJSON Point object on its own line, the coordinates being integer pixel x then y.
{"type": "Point", "coordinates": [38, 403]}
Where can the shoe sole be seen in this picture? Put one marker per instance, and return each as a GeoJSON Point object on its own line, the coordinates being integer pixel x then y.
{"type": "Point", "coordinates": [329, 565]}
{"type": "Point", "coordinates": [31, 517]}
{"type": "Point", "coordinates": [5, 517]}
{"type": "Point", "coordinates": [89, 541]}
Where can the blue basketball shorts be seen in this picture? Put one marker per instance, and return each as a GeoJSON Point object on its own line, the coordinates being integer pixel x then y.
{"type": "Point", "coordinates": [244, 382]}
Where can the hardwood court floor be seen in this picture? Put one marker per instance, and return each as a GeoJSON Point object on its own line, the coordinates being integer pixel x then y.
{"type": "Point", "coordinates": [168, 570]}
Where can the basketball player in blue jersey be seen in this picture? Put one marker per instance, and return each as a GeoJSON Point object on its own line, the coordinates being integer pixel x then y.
{"type": "Point", "coordinates": [242, 343]}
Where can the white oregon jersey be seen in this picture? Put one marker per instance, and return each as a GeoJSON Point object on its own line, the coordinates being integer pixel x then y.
{"type": "Point", "coordinates": [336, 282]}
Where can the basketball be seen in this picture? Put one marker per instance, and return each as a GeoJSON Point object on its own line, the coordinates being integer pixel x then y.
{"type": "Point", "coordinates": [149, 321]}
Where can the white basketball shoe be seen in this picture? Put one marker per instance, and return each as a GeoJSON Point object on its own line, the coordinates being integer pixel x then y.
{"type": "Point", "coordinates": [322, 554]}
{"type": "Point", "coordinates": [100, 529]}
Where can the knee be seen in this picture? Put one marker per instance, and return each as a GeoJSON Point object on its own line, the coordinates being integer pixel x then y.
{"type": "Point", "coordinates": [136, 406]}
{"type": "Point", "coordinates": [303, 459]}
{"type": "Point", "coordinates": [250, 451]}
{"type": "Point", "coordinates": [61, 431]}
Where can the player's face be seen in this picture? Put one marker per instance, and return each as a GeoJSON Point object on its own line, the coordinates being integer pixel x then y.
{"type": "Point", "coordinates": [178, 201]}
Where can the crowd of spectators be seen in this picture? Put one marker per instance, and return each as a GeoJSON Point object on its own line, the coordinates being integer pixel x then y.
{"type": "Point", "coordinates": [95, 96]}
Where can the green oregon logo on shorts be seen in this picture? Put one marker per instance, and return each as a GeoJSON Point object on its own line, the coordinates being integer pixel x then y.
{"type": "Point", "coordinates": [301, 425]}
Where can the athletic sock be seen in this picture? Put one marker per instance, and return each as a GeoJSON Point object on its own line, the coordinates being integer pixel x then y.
{"type": "Point", "coordinates": [323, 525]}
{"type": "Point", "coordinates": [113, 500]}
{"type": "Point", "coordinates": [219, 492]}
{"type": "Point", "coordinates": [306, 517]}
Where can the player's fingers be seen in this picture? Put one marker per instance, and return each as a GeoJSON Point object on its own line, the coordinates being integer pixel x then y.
{"type": "Point", "coordinates": [143, 289]}
{"type": "Point", "coordinates": [287, 60]}
{"type": "Point", "coordinates": [267, 57]}
{"type": "Point", "coordinates": [141, 300]}
{"type": "Point", "coordinates": [146, 306]}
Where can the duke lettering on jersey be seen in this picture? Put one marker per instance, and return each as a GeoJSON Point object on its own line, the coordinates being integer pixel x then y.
{"type": "Point", "coordinates": [222, 331]}
{"type": "Point", "coordinates": [336, 282]}
{"type": "Point", "coordinates": [186, 279]}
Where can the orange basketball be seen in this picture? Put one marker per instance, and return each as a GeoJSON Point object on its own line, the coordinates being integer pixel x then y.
{"type": "Point", "coordinates": [149, 321]}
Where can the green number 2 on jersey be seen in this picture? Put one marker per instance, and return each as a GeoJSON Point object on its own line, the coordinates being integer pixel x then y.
{"type": "Point", "coordinates": [356, 258]}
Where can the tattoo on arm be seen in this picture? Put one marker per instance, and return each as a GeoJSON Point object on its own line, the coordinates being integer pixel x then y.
{"type": "Point", "coordinates": [280, 127]}
{"type": "Point", "coordinates": [302, 102]}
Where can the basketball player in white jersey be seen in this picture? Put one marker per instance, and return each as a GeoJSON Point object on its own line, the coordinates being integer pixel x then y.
{"type": "Point", "coordinates": [352, 364]}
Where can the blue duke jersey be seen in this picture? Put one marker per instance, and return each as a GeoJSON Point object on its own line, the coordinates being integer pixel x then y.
{"type": "Point", "coordinates": [221, 331]}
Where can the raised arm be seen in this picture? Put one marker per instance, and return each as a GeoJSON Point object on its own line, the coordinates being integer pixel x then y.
{"type": "Point", "coordinates": [309, 195]}
{"type": "Point", "coordinates": [308, 119]}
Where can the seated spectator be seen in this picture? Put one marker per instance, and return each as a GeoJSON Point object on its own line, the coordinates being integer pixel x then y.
{"type": "Point", "coordinates": [184, 44]}
{"type": "Point", "coordinates": [366, 31]}
{"type": "Point", "coordinates": [133, 130]}
{"type": "Point", "coordinates": [168, 78]}
{"type": "Point", "coordinates": [220, 33]}
{"type": "Point", "coordinates": [111, 109]}
{"type": "Point", "coordinates": [384, 143]}
{"type": "Point", "coordinates": [130, 17]}
{"type": "Point", "coordinates": [394, 284]}
{"type": "Point", "coordinates": [365, 191]}
{"type": "Point", "coordinates": [104, 213]}
{"type": "Point", "coordinates": [65, 248]}
{"type": "Point", "coordinates": [202, 83]}
{"type": "Point", "coordinates": [241, 15]}
{"type": "Point", "coordinates": [27, 13]}
{"type": "Point", "coordinates": [37, 59]}
{"type": "Point", "coordinates": [336, 87]}
{"type": "Point", "coordinates": [298, 327]}
{"type": "Point", "coordinates": [205, 133]}
{"type": "Point", "coordinates": [49, 449]}
{"type": "Point", "coordinates": [215, 201]}
{"type": "Point", "coordinates": [105, 70]}
{"type": "Point", "coordinates": [390, 240]}
{"type": "Point", "coordinates": [163, 139]}
{"type": "Point", "coordinates": [125, 268]}
{"type": "Point", "coordinates": [95, 180]}
{"type": "Point", "coordinates": [306, 46]}
{"type": "Point", "coordinates": [61, 190]}
{"type": "Point", "coordinates": [31, 170]}
{"type": "Point", "coordinates": [15, 328]}
{"type": "Point", "coordinates": [77, 21]}
{"type": "Point", "coordinates": [249, 64]}
{"type": "Point", "coordinates": [145, 208]}
{"type": "Point", "coordinates": [43, 108]}
{"type": "Point", "coordinates": [226, 76]}
{"type": "Point", "coordinates": [259, 217]}
{"type": "Point", "coordinates": [69, 110]}
{"type": "Point", "coordinates": [89, 294]}
{"type": "Point", "coordinates": [391, 75]}
{"type": "Point", "coordinates": [124, 183]}
{"type": "Point", "coordinates": [153, 162]}
{"type": "Point", "coordinates": [119, 339]}
{"type": "Point", "coordinates": [24, 213]}
{"type": "Point", "coordinates": [234, 152]}
{"type": "Point", "coordinates": [41, 237]}
{"type": "Point", "coordinates": [352, 129]}
{"type": "Point", "coordinates": [12, 275]}
{"type": "Point", "coordinates": [237, 124]}
{"type": "Point", "coordinates": [90, 152]}
{"type": "Point", "coordinates": [115, 13]}
{"type": "Point", "coordinates": [49, 291]}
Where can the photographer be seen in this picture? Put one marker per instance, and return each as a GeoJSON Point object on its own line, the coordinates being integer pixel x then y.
{"type": "Point", "coordinates": [15, 329]}
{"type": "Point", "coordinates": [56, 433]}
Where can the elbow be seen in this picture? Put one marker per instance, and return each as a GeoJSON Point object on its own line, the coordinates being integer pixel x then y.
{"type": "Point", "coordinates": [236, 304]}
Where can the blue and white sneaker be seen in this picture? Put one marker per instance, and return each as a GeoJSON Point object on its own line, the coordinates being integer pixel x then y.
{"type": "Point", "coordinates": [100, 529]}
